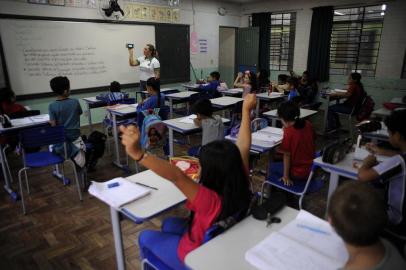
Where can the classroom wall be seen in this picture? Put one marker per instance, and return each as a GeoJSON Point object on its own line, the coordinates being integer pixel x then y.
{"type": "Point", "coordinates": [387, 82]}
{"type": "Point", "coordinates": [199, 14]}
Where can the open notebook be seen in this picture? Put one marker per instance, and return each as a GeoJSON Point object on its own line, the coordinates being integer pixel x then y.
{"type": "Point", "coordinates": [306, 243]}
{"type": "Point", "coordinates": [120, 195]}
{"type": "Point", "coordinates": [268, 135]}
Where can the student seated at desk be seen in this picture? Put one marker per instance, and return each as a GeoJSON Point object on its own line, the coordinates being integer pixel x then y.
{"type": "Point", "coordinates": [212, 125]}
{"type": "Point", "coordinates": [354, 95]}
{"type": "Point", "coordinates": [392, 173]}
{"type": "Point", "coordinates": [292, 83]}
{"type": "Point", "coordinates": [357, 213]}
{"type": "Point", "coordinates": [211, 88]}
{"type": "Point", "coordinates": [66, 111]}
{"type": "Point", "coordinates": [115, 94]}
{"type": "Point", "coordinates": [307, 88]}
{"type": "Point", "coordinates": [155, 99]}
{"type": "Point", "coordinates": [297, 146]}
{"type": "Point", "coordinates": [246, 81]}
{"type": "Point", "coordinates": [281, 86]}
{"type": "Point", "coordinates": [223, 191]}
{"type": "Point", "coordinates": [8, 102]}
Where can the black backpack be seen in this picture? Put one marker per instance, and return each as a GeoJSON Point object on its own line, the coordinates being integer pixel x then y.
{"type": "Point", "coordinates": [95, 146]}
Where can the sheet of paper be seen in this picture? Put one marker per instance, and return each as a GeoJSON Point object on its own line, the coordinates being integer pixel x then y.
{"type": "Point", "coordinates": [272, 130]}
{"type": "Point", "coordinates": [124, 193]}
{"type": "Point", "coordinates": [91, 99]}
{"type": "Point", "coordinates": [340, 91]}
{"type": "Point", "coordinates": [21, 121]}
{"type": "Point", "coordinates": [40, 118]}
{"type": "Point", "coordinates": [361, 153]}
{"type": "Point", "coordinates": [306, 243]}
{"type": "Point", "coordinates": [188, 119]}
{"type": "Point", "coordinates": [265, 138]}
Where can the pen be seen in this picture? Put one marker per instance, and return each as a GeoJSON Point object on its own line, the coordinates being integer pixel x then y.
{"type": "Point", "coordinates": [313, 229]}
{"type": "Point", "coordinates": [144, 185]}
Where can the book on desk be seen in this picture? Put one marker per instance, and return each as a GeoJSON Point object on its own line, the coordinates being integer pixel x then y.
{"type": "Point", "coordinates": [306, 243]}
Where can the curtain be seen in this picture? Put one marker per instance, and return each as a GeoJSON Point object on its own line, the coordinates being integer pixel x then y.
{"type": "Point", "coordinates": [318, 59]}
{"type": "Point", "coordinates": [263, 21]}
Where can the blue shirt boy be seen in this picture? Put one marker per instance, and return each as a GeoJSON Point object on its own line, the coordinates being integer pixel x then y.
{"type": "Point", "coordinates": [210, 88]}
{"type": "Point", "coordinates": [67, 112]}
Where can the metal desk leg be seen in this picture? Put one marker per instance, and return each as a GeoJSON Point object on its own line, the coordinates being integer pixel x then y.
{"type": "Point", "coordinates": [334, 177]}
{"type": "Point", "coordinates": [118, 241]}
{"type": "Point", "coordinates": [7, 186]}
{"type": "Point", "coordinates": [257, 108]}
{"type": "Point", "coordinates": [89, 115]}
{"type": "Point", "coordinates": [170, 142]}
{"type": "Point", "coordinates": [325, 115]}
{"type": "Point", "coordinates": [171, 108]}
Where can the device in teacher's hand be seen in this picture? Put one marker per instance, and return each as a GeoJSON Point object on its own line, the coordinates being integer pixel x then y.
{"type": "Point", "coordinates": [130, 46]}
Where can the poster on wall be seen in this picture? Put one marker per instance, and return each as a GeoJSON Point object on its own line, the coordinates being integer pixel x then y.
{"type": "Point", "coordinates": [152, 13]}
{"type": "Point", "coordinates": [194, 43]}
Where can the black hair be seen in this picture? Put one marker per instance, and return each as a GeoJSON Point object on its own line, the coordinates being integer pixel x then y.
{"type": "Point", "coordinates": [115, 87]}
{"type": "Point", "coordinates": [59, 84]}
{"type": "Point", "coordinates": [263, 78]}
{"type": "Point", "coordinates": [215, 75]}
{"type": "Point", "coordinates": [355, 76]}
{"type": "Point", "coordinates": [203, 107]}
{"type": "Point", "coordinates": [293, 81]}
{"type": "Point", "coordinates": [282, 78]}
{"type": "Point", "coordinates": [152, 49]}
{"type": "Point", "coordinates": [253, 82]}
{"type": "Point", "coordinates": [156, 85]}
{"type": "Point", "coordinates": [357, 213]}
{"type": "Point", "coordinates": [222, 171]}
{"type": "Point", "coordinates": [7, 95]}
{"type": "Point", "coordinates": [396, 122]}
{"type": "Point", "coordinates": [290, 111]}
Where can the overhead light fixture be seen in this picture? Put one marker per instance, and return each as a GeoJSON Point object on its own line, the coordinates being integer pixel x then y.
{"type": "Point", "coordinates": [383, 7]}
{"type": "Point", "coordinates": [174, 3]}
{"type": "Point", "coordinates": [338, 13]}
{"type": "Point", "coordinates": [382, 13]}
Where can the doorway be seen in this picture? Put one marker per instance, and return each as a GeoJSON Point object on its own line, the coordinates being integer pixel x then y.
{"type": "Point", "coordinates": [227, 39]}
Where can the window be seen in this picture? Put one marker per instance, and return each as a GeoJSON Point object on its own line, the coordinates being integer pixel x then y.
{"type": "Point", "coordinates": [283, 27]}
{"type": "Point", "coordinates": [355, 40]}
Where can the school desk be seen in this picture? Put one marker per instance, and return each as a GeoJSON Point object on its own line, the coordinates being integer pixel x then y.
{"type": "Point", "coordinates": [343, 168]}
{"type": "Point", "coordinates": [397, 100]}
{"type": "Point", "coordinates": [164, 91]}
{"type": "Point", "coordinates": [192, 86]}
{"type": "Point", "coordinates": [124, 110]}
{"type": "Point", "coordinates": [165, 197]}
{"type": "Point", "coordinates": [270, 97]}
{"type": "Point", "coordinates": [262, 146]}
{"type": "Point", "coordinates": [378, 135]}
{"type": "Point", "coordinates": [92, 103]}
{"type": "Point", "coordinates": [183, 96]}
{"type": "Point", "coordinates": [227, 251]}
{"type": "Point", "coordinates": [304, 113]}
{"type": "Point", "coordinates": [233, 92]}
{"type": "Point", "coordinates": [382, 112]}
{"type": "Point", "coordinates": [17, 126]}
{"type": "Point", "coordinates": [183, 128]}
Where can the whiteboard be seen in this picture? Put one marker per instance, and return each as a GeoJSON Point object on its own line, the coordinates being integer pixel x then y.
{"type": "Point", "coordinates": [89, 54]}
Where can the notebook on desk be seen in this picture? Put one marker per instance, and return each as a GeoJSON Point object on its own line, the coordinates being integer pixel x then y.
{"type": "Point", "coordinates": [119, 195]}
{"type": "Point", "coordinates": [306, 243]}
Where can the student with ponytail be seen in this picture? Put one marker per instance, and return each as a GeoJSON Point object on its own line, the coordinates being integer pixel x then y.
{"type": "Point", "coordinates": [354, 95]}
{"type": "Point", "coordinates": [297, 146]}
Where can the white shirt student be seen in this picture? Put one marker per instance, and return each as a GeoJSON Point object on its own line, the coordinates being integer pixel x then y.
{"type": "Point", "coordinates": [149, 65]}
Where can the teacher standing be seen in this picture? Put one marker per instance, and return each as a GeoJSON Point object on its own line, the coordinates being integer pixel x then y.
{"type": "Point", "coordinates": [149, 65]}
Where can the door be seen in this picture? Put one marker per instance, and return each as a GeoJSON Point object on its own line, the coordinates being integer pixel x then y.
{"type": "Point", "coordinates": [227, 43]}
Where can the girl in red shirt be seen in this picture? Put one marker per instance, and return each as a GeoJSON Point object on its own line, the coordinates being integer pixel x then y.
{"type": "Point", "coordinates": [8, 102]}
{"type": "Point", "coordinates": [297, 146]}
{"type": "Point", "coordinates": [223, 192]}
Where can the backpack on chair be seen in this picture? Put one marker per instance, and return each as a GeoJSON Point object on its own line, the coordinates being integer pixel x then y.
{"type": "Point", "coordinates": [366, 108]}
{"type": "Point", "coordinates": [95, 146]}
{"type": "Point", "coordinates": [153, 129]}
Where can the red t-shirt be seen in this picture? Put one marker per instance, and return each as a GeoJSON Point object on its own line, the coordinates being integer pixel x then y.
{"type": "Point", "coordinates": [206, 207]}
{"type": "Point", "coordinates": [300, 144]}
{"type": "Point", "coordinates": [9, 108]}
{"type": "Point", "coordinates": [355, 94]}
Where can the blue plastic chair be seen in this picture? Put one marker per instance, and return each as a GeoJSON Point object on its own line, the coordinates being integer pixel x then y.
{"type": "Point", "coordinates": [298, 188]}
{"type": "Point", "coordinates": [157, 264]}
{"type": "Point", "coordinates": [38, 137]}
